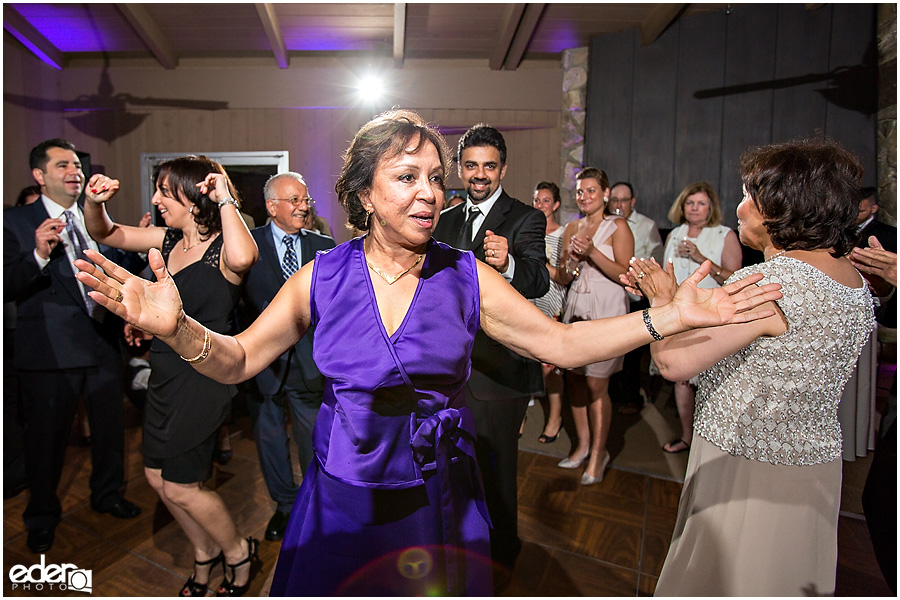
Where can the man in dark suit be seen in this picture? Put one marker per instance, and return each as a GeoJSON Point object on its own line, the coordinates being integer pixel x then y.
{"type": "Point", "coordinates": [66, 346]}
{"type": "Point", "coordinates": [291, 382]}
{"type": "Point", "coordinates": [509, 236]}
{"type": "Point", "coordinates": [867, 225]}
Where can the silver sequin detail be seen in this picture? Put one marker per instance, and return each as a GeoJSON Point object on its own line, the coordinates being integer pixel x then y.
{"type": "Point", "coordinates": [776, 400]}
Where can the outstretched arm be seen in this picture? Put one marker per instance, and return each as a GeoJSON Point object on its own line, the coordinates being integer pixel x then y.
{"type": "Point", "coordinates": [684, 355]}
{"type": "Point", "coordinates": [156, 308]}
{"type": "Point", "coordinates": [878, 266]}
{"type": "Point", "coordinates": [516, 323]}
{"type": "Point", "coordinates": [99, 190]}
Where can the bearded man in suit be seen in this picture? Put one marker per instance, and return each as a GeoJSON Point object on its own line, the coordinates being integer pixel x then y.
{"type": "Point", "coordinates": [509, 236]}
{"type": "Point", "coordinates": [291, 383]}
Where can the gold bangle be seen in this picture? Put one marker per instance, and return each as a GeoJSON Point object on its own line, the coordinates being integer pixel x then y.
{"type": "Point", "coordinates": [207, 345]}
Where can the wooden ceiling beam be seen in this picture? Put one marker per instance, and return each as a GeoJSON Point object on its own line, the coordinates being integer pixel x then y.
{"type": "Point", "coordinates": [529, 22]}
{"type": "Point", "coordinates": [149, 32]}
{"type": "Point", "coordinates": [507, 34]}
{"type": "Point", "coordinates": [269, 19]}
{"type": "Point", "coordinates": [31, 38]}
{"type": "Point", "coordinates": [399, 35]}
{"type": "Point", "coordinates": [658, 20]}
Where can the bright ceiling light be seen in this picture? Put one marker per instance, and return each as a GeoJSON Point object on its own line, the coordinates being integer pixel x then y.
{"type": "Point", "coordinates": [370, 89]}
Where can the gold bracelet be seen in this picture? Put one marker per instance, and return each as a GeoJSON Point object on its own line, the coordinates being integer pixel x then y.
{"type": "Point", "coordinates": [207, 345]}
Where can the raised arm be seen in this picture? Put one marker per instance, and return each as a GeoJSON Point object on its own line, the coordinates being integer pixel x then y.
{"type": "Point", "coordinates": [239, 251]}
{"type": "Point", "coordinates": [156, 308]}
{"type": "Point", "coordinates": [516, 323]}
{"type": "Point", "coordinates": [99, 190]}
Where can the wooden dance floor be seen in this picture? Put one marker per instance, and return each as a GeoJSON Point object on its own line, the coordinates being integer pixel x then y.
{"type": "Point", "coordinates": [605, 540]}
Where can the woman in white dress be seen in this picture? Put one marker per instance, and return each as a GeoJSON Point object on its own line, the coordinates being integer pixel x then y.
{"type": "Point", "coordinates": [759, 509]}
{"type": "Point", "coordinates": [699, 236]}
{"type": "Point", "coordinates": [546, 199]}
{"type": "Point", "coordinates": [596, 251]}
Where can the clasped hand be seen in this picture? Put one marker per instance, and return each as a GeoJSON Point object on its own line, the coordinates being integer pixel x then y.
{"type": "Point", "coordinates": [737, 302]}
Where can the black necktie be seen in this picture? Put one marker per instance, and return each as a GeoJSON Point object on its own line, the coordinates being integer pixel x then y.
{"type": "Point", "coordinates": [465, 238]}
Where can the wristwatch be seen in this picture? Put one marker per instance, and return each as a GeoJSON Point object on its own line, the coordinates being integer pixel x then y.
{"type": "Point", "coordinates": [228, 200]}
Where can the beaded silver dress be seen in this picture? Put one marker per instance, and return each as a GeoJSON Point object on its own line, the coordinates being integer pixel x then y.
{"type": "Point", "coordinates": [759, 509]}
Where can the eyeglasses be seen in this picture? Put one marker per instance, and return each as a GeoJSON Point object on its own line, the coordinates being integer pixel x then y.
{"type": "Point", "coordinates": [296, 201]}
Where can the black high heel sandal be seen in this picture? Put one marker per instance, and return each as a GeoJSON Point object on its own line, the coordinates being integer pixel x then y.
{"type": "Point", "coordinates": [191, 587]}
{"type": "Point", "coordinates": [228, 588]}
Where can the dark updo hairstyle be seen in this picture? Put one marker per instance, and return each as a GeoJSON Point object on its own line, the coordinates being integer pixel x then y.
{"type": "Point", "coordinates": [181, 176]}
{"type": "Point", "coordinates": [382, 138]}
{"type": "Point", "coordinates": [808, 192]}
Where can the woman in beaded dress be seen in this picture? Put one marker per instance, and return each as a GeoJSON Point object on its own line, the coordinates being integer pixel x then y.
{"type": "Point", "coordinates": [759, 509]}
{"type": "Point", "coordinates": [392, 503]}
{"type": "Point", "coordinates": [546, 199]}
{"type": "Point", "coordinates": [699, 236]}
{"type": "Point", "coordinates": [208, 249]}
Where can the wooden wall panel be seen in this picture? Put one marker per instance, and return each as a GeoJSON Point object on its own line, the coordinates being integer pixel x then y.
{"type": "Point", "coordinates": [747, 116]}
{"type": "Point", "coordinates": [852, 44]}
{"type": "Point", "coordinates": [698, 121]}
{"type": "Point", "coordinates": [653, 132]}
{"type": "Point", "coordinates": [801, 36]}
{"type": "Point", "coordinates": [729, 94]}
{"type": "Point", "coordinates": [608, 127]}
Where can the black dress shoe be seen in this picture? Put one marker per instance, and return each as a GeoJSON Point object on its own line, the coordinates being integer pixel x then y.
{"type": "Point", "coordinates": [40, 539]}
{"type": "Point", "coordinates": [122, 509]}
{"type": "Point", "coordinates": [277, 525]}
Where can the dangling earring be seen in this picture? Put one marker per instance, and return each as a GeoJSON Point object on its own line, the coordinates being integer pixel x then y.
{"type": "Point", "coordinates": [368, 220]}
{"type": "Point", "coordinates": [191, 209]}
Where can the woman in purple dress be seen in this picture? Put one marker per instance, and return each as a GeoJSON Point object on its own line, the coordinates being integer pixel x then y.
{"type": "Point", "coordinates": [392, 504]}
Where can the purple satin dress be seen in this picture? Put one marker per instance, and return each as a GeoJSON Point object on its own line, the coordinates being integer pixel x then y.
{"type": "Point", "coordinates": [392, 504]}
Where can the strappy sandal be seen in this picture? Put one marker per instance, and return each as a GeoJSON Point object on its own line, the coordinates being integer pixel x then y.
{"type": "Point", "coordinates": [191, 587]}
{"type": "Point", "coordinates": [228, 588]}
{"type": "Point", "coordinates": [676, 443]}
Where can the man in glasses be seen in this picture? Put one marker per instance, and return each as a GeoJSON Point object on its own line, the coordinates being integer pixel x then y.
{"type": "Point", "coordinates": [625, 386]}
{"type": "Point", "coordinates": [291, 383]}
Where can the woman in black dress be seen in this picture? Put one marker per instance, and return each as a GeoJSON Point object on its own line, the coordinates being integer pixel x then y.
{"type": "Point", "coordinates": [207, 249]}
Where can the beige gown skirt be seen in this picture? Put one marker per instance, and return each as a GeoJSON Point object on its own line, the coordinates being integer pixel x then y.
{"type": "Point", "coordinates": [749, 528]}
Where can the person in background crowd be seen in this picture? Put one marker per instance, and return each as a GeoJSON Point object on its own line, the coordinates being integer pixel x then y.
{"type": "Point", "coordinates": [291, 385]}
{"type": "Point", "coordinates": [699, 236]}
{"type": "Point", "coordinates": [509, 237]}
{"type": "Point", "coordinates": [209, 250]}
{"type": "Point", "coordinates": [546, 200]}
{"type": "Point", "coordinates": [625, 386]}
{"type": "Point", "coordinates": [65, 345]}
{"type": "Point", "coordinates": [596, 250]}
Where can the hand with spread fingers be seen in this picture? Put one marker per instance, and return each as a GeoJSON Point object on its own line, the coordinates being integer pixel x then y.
{"type": "Point", "coordinates": [875, 262]}
{"type": "Point", "coordinates": [154, 307]}
{"type": "Point", "coordinates": [737, 302]}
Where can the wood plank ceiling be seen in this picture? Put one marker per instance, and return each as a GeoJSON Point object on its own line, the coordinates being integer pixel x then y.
{"type": "Point", "coordinates": [501, 34]}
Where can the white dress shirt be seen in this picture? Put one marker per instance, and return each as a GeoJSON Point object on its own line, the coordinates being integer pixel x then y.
{"type": "Point", "coordinates": [484, 207]}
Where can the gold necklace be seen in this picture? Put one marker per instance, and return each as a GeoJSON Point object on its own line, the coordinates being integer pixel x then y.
{"type": "Point", "coordinates": [392, 278]}
{"type": "Point", "coordinates": [185, 247]}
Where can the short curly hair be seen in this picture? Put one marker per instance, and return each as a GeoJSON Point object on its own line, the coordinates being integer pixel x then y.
{"type": "Point", "coordinates": [182, 175]}
{"type": "Point", "coordinates": [808, 192]}
{"type": "Point", "coordinates": [676, 212]}
{"type": "Point", "coordinates": [382, 138]}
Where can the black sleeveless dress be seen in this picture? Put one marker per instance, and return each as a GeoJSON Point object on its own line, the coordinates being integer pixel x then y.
{"type": "Point", "coordinates": [183, 406]}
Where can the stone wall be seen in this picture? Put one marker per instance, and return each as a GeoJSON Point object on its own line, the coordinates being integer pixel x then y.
{"type": "Point", "coordinates": [887, 113]}
{"type": "Point", "coordinates": [574, 100]}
